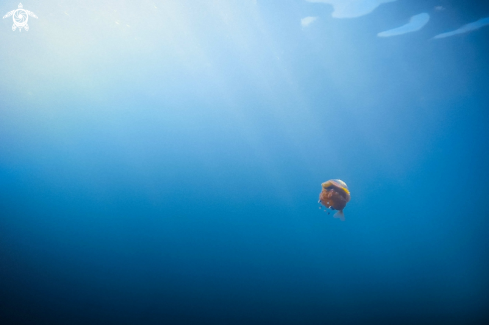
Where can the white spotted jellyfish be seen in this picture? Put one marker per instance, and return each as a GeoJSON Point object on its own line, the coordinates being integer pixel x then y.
{"type": "Point", "coordinates": [334, 196]}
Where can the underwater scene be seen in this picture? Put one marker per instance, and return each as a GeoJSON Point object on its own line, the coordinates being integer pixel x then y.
{"type": "Point", "coordinates": [244, 162]}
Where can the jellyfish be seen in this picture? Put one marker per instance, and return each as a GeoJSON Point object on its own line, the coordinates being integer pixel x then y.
{"type": "Point", "coordinates": [335, 195]}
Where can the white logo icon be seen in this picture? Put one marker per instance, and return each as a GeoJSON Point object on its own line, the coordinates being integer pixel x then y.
{"type": "Point", "coordinates": [20, 17]}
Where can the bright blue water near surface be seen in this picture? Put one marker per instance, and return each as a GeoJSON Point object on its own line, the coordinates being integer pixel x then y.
{"type": "Point", "coordinates": [161, 162]}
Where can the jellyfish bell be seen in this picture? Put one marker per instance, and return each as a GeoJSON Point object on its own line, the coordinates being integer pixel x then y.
{"type": "Point", "coordinates": [335, 195]}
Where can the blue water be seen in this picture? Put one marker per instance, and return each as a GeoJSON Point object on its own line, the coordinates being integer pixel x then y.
{"type": "Point", "coordinates": [161, 162]}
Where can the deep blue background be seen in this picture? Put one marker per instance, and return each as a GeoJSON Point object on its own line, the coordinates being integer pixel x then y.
{"type": "Point", "coordinates": [169, 172]}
